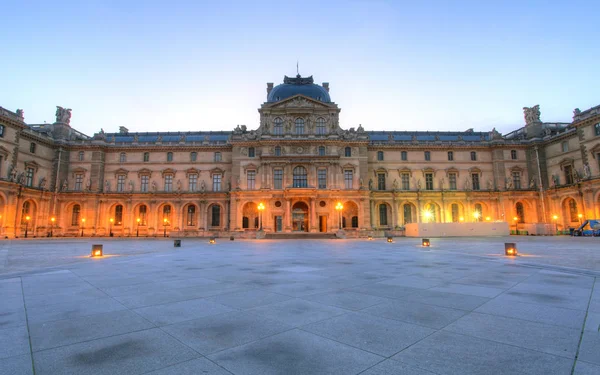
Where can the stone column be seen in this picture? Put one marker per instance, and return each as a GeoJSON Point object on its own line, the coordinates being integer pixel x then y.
{"type": "Point", "coordinates": [394, 213]}
{"type": "Point", "coordinates": [313, 215]}
{"type": "Point", "coordinates": [288, 213]}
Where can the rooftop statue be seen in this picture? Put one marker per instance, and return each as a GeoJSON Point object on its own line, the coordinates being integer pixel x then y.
{"type": "Point", "coordinates": [298, 80]}
{"type": "Point", "coordinates": [20, 113]}
{"type": "Point", "coordinates": [532, 115]}
{"type": "Point", "coordinates": [63, 115]}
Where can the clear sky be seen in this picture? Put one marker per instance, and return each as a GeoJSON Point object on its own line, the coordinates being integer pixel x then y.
{"type": "Point", "coordinates": [392, 65]}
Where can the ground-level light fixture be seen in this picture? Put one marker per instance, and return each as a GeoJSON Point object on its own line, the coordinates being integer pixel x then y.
{"type": "Point", "coordinates": [510, 249]}
{"type": "Point", "coordinates": [212, 241]}
{"type": "Point", "coordinates": [176, 243]}
{"type": "Point", "coordinates": [425, 242]}
{"type": "Point", "coordinates": [390, 239]}
{"type": "Point", "coordinates": [110, 233]}
{"type": "Point", "coordinates": [554, 217]}
{"type": "Point", "coordinates": [231, 238]}
{"type": "Point", "coordinates": [369, 237]}
{"type": "Point", "coordinates": [96, 251]}
{"type": "Point", "coordinates": [82, 226]}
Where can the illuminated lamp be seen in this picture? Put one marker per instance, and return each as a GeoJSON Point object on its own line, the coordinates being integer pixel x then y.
{"type": "Point", "coordinates": [231, 238]}
{"type": "Point", "coordinates": [510, 249]}
{"type": "Point", "coordinates": [212, 241]}
{"type": "Point", "coordinates": [96, 251]}
{"type": "Point", "coordinates": [487, 218]}
{"type": "Point", "coordinates": [425, 242]}
{"type": "Point", "coordinates": [390, 239]}
{"type": "Point", "coordinates": [461, 219]}
{"type": "Point", "coordinates": [370, 238]}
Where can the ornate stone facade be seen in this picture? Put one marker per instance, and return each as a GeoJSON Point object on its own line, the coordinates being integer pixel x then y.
{"type": "Point", "coordinates": [299, 163]}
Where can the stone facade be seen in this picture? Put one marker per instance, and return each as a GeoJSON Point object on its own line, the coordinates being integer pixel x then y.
{"type": "Point", "coordinates": [299, 163]}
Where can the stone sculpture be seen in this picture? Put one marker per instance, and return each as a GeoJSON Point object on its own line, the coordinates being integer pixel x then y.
{"type": "Point", "coordinates": [63, 115]}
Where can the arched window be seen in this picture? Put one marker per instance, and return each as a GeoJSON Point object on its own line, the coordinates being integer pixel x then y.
{"type": "Point", "coordinates": [383, 215]}
{"type": "Point", "coordinates": [321, 125]}
{"type": "Point", "coordinates": [245, 224]}
{"type": "Point", "coordinates": [119, 214]}
{"type": "Point", "coordinates": [167, 214]}
{"type": "Point", "coordinates": [215, 216]}
{"type": "Point", "coordinates": [478, 212]}
{"type": "Point", "coordinates": [191, 215]}
{"type": "Point", "coordinates": [299, 126]}
{"type": "Point", "coordinates": [169, 156]}
{"type": "Point", "coordinates": [348, 151]}
{"type": "Point", "coordinates": [143, 214]}
{"type": "Point", "coordinates": [520, 212]}
{"type": "Point", "coordinates": [321, 150]}
{"type": "Point", "coordinates": [25, 212]}
{"type": "Point", "coordinates": [354, 221]}
{"type": "Point", "coordinates": [407, 214]}
{"type": "Point", "coordinates": [380, 155]}
{"type": "Point", "coordinates": [455, 213]}
{"type": "Point", "coordinates": [278, 126]}
{"type": "Point", "coordinates": [573, 210]}
{"type": "Point", "coordinates": [277, 151]}
{"type": "Point", "coordinates": [75, 215]}
{"type": "Point", "coordinates": [300, 179]}
{"type": "Point", "coordinates": [122, 157]}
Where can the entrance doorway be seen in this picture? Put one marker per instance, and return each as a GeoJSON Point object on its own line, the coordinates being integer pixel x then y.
{"type": "Point", "coordinates": [322, 223]}
{"type": "Point", "coordinates": [300, 217]}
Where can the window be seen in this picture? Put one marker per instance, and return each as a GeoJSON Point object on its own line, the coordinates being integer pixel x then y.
{"type": "Point", "coordinates": [573, 210]}
{"type": "Point", "coordinates": [142, 215]}
{"type": "Point", "coordinates": [122, 157]}
{"type": "Point", "coordinates": [78, 182]}
{"type": "Point", "coordinates": [144, 184]}
{"type": "Point", "coordinates": [2, 131]}
{"type": "Point", "coordinates": [428, 181]}
{"type": "Point", "coordinates": [299, 126]}
{"type": "Point", "coordinates": [473, 156]}
{"type": "Point", "coordinates": [565, 146]}
{"type": "Point", "coordinates": [75, 215]}
{"type": "Point", "coordinates": [354, 221]}
{"type": "Point", "coordinates": [169, 183]}
{"type": "Point", "coordinates": [119, 214]}
{"type": "Point", "coordinates": [404, 156]}
{"type": "Point", "coordinates": [322, 178]}
{"type": "Point", "coordinates": [450, 155]}
{"type": "Point", "coordinates": [380, 155]}
{"type": "Point", "coordinates": [32, 148]}
{"type": "Point", "coordinates": [167, 214]}
{"type": "Point", "coordinates": [454, 209]}
{"type": "Point", "coordinates": [383, 215]}
{"type": "Point", "coordinates": [475, 180]}
{"type": "Point", "coordinates": [321, 150]}
{"type": "Point", "coordinates": [380, 181]}
{"type": "Point", "coordinates": [516, 176]}
{"type": "Point", "coordinates": [348, 177]}
{"type": "Point", "coordinates": [217, 156]}
{"type": "Point", "coordinates": [215, 216]}
{"type": "Point", "coordinates": [520, 212]}
{"type": "Point", "coordinates": [277, 151]}
{"type": "Point", "coordinates": [169, 156]}
{"type": "Point", "coordinates": [121, 183]}
{"type": "Point", "coordinates": [568, 174]}
{"type": "Point", "coordinates": [217, 182]}
{"type": "Point", "coordinates": [348, 152]}
{"type": "Point", "coordinates": [29, 176]}
{"type": "Point", "coordinates": [320, 126]}
{"type": "Point", "coordinates": [251, 180]}
{"type": "Point", "coordinates": [146, 156]}
{"type": "Point", "coordinates": [596, 129]}
{"type": "Point", "coordinates": [278, 178]}
{"type": "Point", "coordinates": [251, 152]}
{"type": "Point", "coordinates": [427, 156]}
{"type": "Point", "coordinates": [405, 181]}
{"type": "Point", "coordinates": [193, 156]}
{"type": "Point", "coordinates": [193, 182]}
{"type": "Point", "coordinates": [300, 180]}
{"type": "Point", "coordinates": [25, 212]}
{"type": "Point", "coordinates": [407, 214]}
{"type": "Point", "coordinates": [278, 126]}
{"type": "Point", "coordinates": [80, 156]}
{"type": "Point", "coordinates": [513, 154]}
{"type": "Point", "coordinates": [191, 215]}
{"type": "Point", "coordinates": [452, 180]}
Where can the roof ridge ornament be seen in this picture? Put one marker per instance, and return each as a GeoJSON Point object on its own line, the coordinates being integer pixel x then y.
{"type": "Point", "coordinates": [298, 80]}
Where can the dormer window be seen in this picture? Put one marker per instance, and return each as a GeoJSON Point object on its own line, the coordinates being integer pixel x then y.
{"type": "Point", "coordinates": [348, 152]}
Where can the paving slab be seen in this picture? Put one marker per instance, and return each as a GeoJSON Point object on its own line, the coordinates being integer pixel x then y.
{"type": "Point", "coordinates": [391, 367]}
{"type": "Point", "coordinates": [472, 290]}
{"type": "Point", "coordinates": [346, 299]}
{"type": "Point", "coordinates": [14, 341]}
{"type": "Point", "coordinates": [72, 309]}
{"type": "Point", "coordinates": [297, 312]}
{"type": "Point", "coordinates": [175, 312]}
{"type": "Point", "coordinates": [247, 299]}
{"type": "Point", "coordinates": [17, 365]}
{"type": "Point", "coordinates": [444, 299]}
{"type": "Point", "coordinates": [585, 368]}
{"type": "Point", "coordinates": [431, 316]}
{"type": "Point", "coordinates": [195, 366]}
{"type": "Point", "coordinates": [590, 347]}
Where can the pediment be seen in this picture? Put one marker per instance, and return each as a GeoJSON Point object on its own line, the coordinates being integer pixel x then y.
{"type": "Point", "coordinates": [250, 167]}
{"type": "Point", "coordinates": [428, 170]}
{"type": "Point", "coordinates": [380, 170]}
{"type": "Point", "coordinates": [121, 171]}
{"type": "Point", "coordinates": [405, 170]}
{"type": "Point", "coordinates": [79, 170]}
{"type": "Point", "coordinates": [475, 170]}
{"type": "Point", "coordinates": [452, 170]}
{"type": "Point", "coordinates": [168, 171]}
{"type": "Point", "coordinates": [144, 172]}
{"type": "Point", "coordinates": [215, 171]}
{"type": "Point", "coordinates": [348, 166]}
{"type": "Point", "coordinates": [191, 171]}
{"type": "Point", "coordinates": [516, 168]}
{"type": "Point", "coordinates": [298, 101]}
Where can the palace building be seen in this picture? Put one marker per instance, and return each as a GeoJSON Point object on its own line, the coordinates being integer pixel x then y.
{"type": "Point", "coordinates": [296, 171]}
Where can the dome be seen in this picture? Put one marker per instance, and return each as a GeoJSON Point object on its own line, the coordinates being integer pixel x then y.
{"type": "Point", "coordinates": [299, 85]}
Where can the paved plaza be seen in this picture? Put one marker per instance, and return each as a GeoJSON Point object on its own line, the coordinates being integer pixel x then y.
{"type": "Point", "coordinates": [300, 307]}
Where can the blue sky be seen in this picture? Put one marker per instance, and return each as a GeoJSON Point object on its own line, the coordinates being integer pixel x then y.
{"type": "Point", "coordinates": [392, 65]}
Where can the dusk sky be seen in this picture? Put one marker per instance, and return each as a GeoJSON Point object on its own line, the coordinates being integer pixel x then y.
{"type": "Point", "coordinates": [392, 65]}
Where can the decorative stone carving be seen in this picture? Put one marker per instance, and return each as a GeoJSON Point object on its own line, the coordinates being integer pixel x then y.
{"type": "Point", "coordinates": [20, 113]}
{"type": "Point", "coordinates": [131, 186]}
{"type": "Point", "coordinates": [154, 187]}
{"type": "Point", "coordinates": [576, 112]}
{"type": "Point", "coordinates": [532, 115]}
{"type": "Point", "coordinates": [395, 184]}
{"type": "Point", "coordinates": [508, 182]}
{"type": "Point", "coordinates": [489, 185]}
{"type": "Point", "coordinates": [587, 173]}
{"type": "Point", "coordinates": [361, 183]}
{"type": "Point", "coordinates": [532, 183]}
{"type": "Point", "coordinates": [22, 178]}
{"type": "Point", "coordinates": [13, 175]}
{"type": "Point", "coordinates": [63, 115]}
{"type": "Point", "coordinates": [179, 186]}
{"type": "Point", "coordinates": [65, 185]}
{"type": "Point", "coordinates": [42, 183]}
{"type": "Point", "coordinates": [202, 186]}
{"type": "Point", "coordinates": [136, 138]}
{"type": "Point", "coordinates": [88, 185]}
{"type": "Point", "coordinates": [107, 186]}
{"type": "Point", "coordinates": [370, 184]}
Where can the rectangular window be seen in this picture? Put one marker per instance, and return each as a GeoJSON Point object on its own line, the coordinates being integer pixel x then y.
{"type": "Point", "coordinates": [380, 155]}
{"type": "Point", "coordinates": [348, 152]}
{"type": "Point", "coordinates": [191, 216]}
{"type": "Point", "coordinates": [2, 131]}
{"type": "Point", "coordinates": [450, 155]}
{"type": "Point", "coordinates": [381, 181]}
{"type": "Point", "coordinates": [278, 179]}
{"type": "Point", "coordinates": [217, 182]}
{"type": "Point", "coordinates": [193, 156]}
{"type": "Point", "coordinates": [80, 156]}
{"type": "Point", "coordinates": [516, 180]}
{"type": "Point", "coordinates": [251, 180]}
{"type": "Point", "coordinates": [144, 185]}
{"type": "Point", "coordinates": [216, 216]}
{"type": "Point", "coordinates": [143, 210]}
{"type": "Point", "coordinates": [251, 152]}
{"type": "Point", "coordinates": [383, 215]}
{"type": "Point", "coordinates": [473, 156]}
{"type": "Point", "coordinates": [122, 157]}
{"type": "Point", "coordinates": [32, 148]}
{"type": "Point", "coordinates": [78, 182]}
{"type": "Point", "coordinates": [322, 177]}
{"type": "Point", "coordinates": [169, 183]}
{"type": "Point", "coordinates": [428, 181]}
{"type": "Point", "coordinates": [475, 180]}
{"type": "Point", "coordinates": [452, 179]}
{"type": "Point", "coordinates": [405, 181]}
{"type": "Point", "coordinates": [120, 182]}
{"type": "Point", "coordinates": [119, 214]}
{"type": "Point", "coordinates": [193, 182]}
{"type": "Point", "coordinates": [427, 156]}
{"type": "Point", "coordinates": [348, 175]}
{"type": "Point", "coordinates": [513, 154]}
{"type": "Point", "coordinates": [217, 156]}
{"type": "Point", "coordinates": [568, 174]}
{"type": "Point", "coordinates": [169, 156]}
{"type": "Point", "coordinates": [146, 156]}
{"type": "Point", "coordinates": [29, 177]}
{"type": "Point", "coordinates": [565, 146]}
{"type": "Point", "coordinates": [596, 129]}
{"type": "Point", "coordinates": [404, 155]}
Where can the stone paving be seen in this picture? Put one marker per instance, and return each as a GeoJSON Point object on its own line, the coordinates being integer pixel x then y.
{"type": "Point", "coordinates": [300, 307]}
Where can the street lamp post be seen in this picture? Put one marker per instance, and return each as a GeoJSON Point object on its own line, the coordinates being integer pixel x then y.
{"type": "Point", "coordinates": [554, 219]}
{"type": "Point", "coordinates": [110, 233]}
{"type": "Point", "coordinates": [261, 208]}
{"type": "Point", "coordinates": [476, 215]}
{"type": "Point", "coordinates": [27, 218]}
{"type": "Point", "coordinates": [165, 223]}
{"type": "Point", "coordinates": [137, 231]}
{"type": "Point", "coordinates": [82, 225]}
{"type": "Point", "coordinates": [339, 207]}
{"type": "Point", "coordinates": [580, 216]}
{"type": "Point", "coordinates": [52, 226]}
{"type": "Point", "coordinates": [516, 220]}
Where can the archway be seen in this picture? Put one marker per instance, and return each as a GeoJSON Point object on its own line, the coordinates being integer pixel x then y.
{"type": "Point", "coordinates": [250, 216]}
{"type": "Point", "coordinates": [431, 213]}
{"type": "Point", "coordinates": [350, 215]}
{"type": "Point", "coordinates": [570, 212]}
{"type": "Point", "coordinates": [300, 217]}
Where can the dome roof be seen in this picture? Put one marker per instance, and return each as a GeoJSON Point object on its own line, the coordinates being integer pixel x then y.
{"type": "Point", "coordinates": [298, 85]}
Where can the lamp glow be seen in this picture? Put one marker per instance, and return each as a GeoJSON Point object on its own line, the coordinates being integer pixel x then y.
{"type": "Point", "coordinates": [425, 242]}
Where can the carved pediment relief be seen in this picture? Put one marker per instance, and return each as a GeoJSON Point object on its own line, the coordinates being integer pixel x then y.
{"type": "Point", "coordinates": [474, 170]}
{"type": "Point", "coordinates": [191, 171]}
{"type": "Point", "coordinates": [428, 170]}
{"type": "Point", "coordinates": [516, 168]}
{"type": "Point", "coordinates": [121, 171]}
{"type": "Point", "coordinates": [32, 164]}
{"type": "Point", "coordinates": [380, 170]}
{"type": "Point", "coordinates": [144, 172]}
{"type": "Point", "coordinates": [348, 166]}
{"type": "Point", "coordinates": [250, 167]}
{"type": "Point", "coordinates": [452, 170]}
{"type": "Point", "coordinates": [299, 101]}
{"type": "Point", "coordinates": [565, 162]}
{"type": "Point", "coordinates": [215, 171]}
{"type": "Point", "coordinates": [168, 171]}
{"type": "Point", "coordinates": [405, 170]}
{"type": "Point", "coordinates": [79, 170]}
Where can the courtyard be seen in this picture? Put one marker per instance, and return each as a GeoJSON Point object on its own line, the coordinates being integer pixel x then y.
{"type": "Point", "coordinates": [300, 306]}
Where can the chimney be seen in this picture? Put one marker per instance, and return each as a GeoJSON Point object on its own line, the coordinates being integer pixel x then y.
{"type": "Point", "coordinates": [269, 87]}
{"type": "Point", "coordinates": [123, 130]}
{"type": "Point", "coordinates": [326, 86]}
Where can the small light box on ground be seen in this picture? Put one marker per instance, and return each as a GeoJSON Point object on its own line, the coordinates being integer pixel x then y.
{"type": "Point", "coordinates": [370, 238]}
{"type": "Point", "coordinates": [510, 249]}
{"type": "Point", "coordinates": [425, 242]}
{"type": "Point", "coordinates": [96, 251]}
{"type": "Point", "coordinates": [231, 238]}
{"type": "Point", "coordinates": [212, 241]}
{"type": "Point", "coordinates": [390, 239]}
{"type": "Point", "coordinates": [176, 243]}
